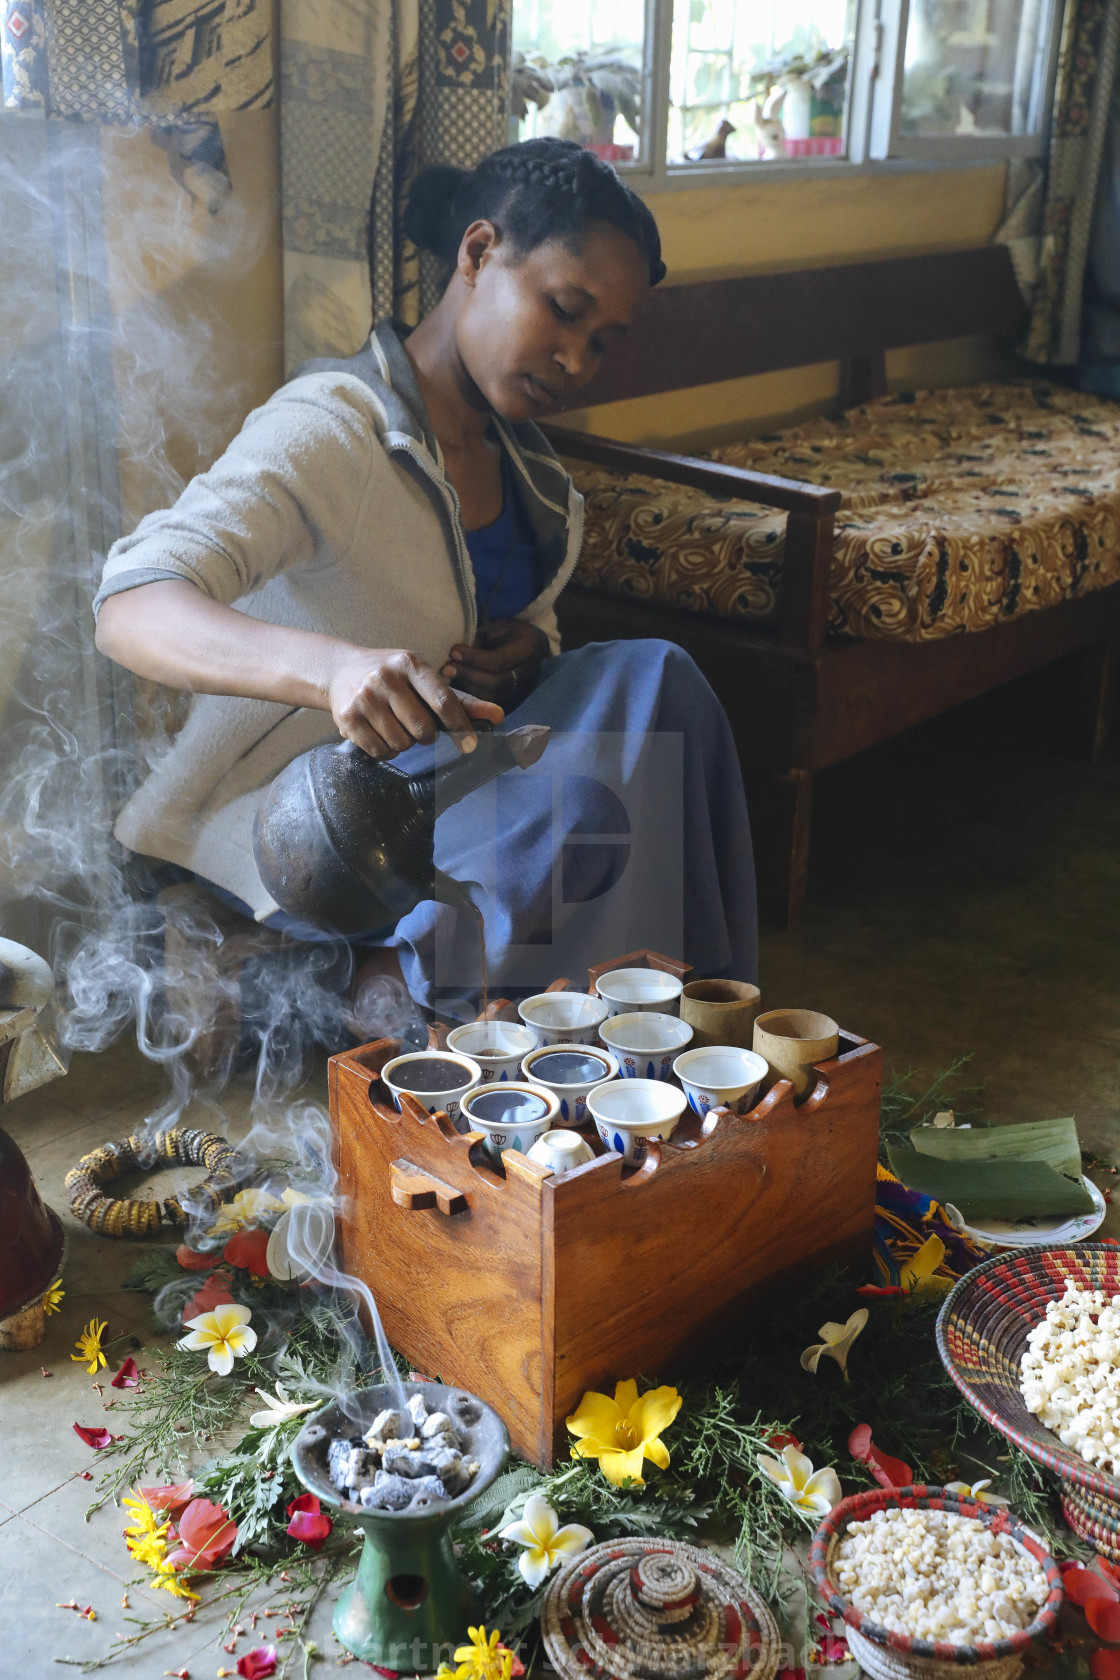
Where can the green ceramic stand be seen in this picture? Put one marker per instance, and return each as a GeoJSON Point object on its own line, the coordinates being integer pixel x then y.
{"type": "Point", "coordinates": [408, 1606]}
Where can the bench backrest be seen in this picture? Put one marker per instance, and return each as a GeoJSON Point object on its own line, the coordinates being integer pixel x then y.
{"type": "Point", "coordinates": [708, 330]}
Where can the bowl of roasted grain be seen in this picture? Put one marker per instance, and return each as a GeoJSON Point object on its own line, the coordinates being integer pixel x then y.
{"type": "Point", "coordinates": [927, 1581]}
{"type": "Point", "coordinates": [1032, 1340]}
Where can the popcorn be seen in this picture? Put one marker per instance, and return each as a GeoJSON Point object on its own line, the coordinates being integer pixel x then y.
{"type": "Point", "coordinates": [1071, 1373]}
{"type": "Point", "coordinates": [937, 1575]}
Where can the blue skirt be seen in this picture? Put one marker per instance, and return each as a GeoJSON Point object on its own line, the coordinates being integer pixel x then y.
{"type": "Point", "coordinates": [630, 833]}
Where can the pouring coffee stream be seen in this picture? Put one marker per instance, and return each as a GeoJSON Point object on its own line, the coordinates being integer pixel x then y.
{"type": "Point", "coordinates": [347, 842]}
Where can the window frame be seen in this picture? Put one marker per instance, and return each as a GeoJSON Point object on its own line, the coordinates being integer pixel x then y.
{"type": "Point", "coordinates": [875, 145]}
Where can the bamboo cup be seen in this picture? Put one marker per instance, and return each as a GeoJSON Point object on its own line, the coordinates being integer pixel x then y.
{"type": "Point", "coordinates": [792, 1040]}
{"type": "Point", "coordinates": [720, 1011]}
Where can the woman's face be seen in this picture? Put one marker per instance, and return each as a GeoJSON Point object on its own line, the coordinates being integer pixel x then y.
{"type": "Point", "coordinates": [533, 327]}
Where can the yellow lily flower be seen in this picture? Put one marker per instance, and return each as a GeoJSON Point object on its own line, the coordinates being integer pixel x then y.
{"type": "Point", "coordinates": [622, 1432]}
{"type": "Point", "coordinates": [816, 1491]}
{"type": "Point", "coordinates": [248, 1207]}
{"type": "Point", "coordinates": [836, 1343]}
{"type": "Point", "coordinates": [225, 1333]}
{"type": "Point", "coordinates": [977, 1491]}
{"type": "Point", "coordinates": [53, 1297]}
{"type": "Point", "coordinates": [484, 1658]}
{"type": "Point", "coordinates": [918, 1272]}
{"type": "Point", "coordinates": [545, 1542]}
{"type": "Point", "coordinates": [89, 1346]}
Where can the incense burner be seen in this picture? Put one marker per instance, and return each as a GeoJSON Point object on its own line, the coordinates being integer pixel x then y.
{"type": "Point", "coordinates": [408, 1605]}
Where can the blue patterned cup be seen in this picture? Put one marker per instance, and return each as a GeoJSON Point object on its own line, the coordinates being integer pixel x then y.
{"type": "Point", "coordinates": [497, 1046]}
{"type": "Point", "coordinates": [555, 1066]}
{"type": "Point", "coordinates": [631, 991]}
{"type": "Point", "coordinates": [629, 1113]}
{"type": "Point", "coordinates": [720, 1076]}
{"type": "Point", "coordinates": [564, 1017]}
{"type": "Point", "coordinates": [645, 1043]}
{"type": "Point", "coordinates": [511, 1116]}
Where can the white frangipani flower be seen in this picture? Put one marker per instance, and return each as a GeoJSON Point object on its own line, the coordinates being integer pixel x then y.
{"type": "Point", "coordinates": [544, 1541]}
{"type": "Point", "coordinates": [280, 1408]}
{"type": "Point", "coordinates": [223, 1334]}
{"type": "Point", "coordinates": [836, 1342]}
{"type": "Point", "coordinates": [977, 1491]}
{"type": "Point", "coordinates": [807, 1489]}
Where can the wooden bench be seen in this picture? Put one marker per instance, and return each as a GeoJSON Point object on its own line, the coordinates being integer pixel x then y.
{"type": "Point", "coordinates": [798, 699]}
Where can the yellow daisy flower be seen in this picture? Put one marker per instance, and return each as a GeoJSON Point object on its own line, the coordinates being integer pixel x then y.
{"type": "Point", "coordinates": [89, 1346]}
{"type": "Point", "coordinates": [53, 1296]}
{"type": "Point", "coordinates": [622, 1432]}
{"type": "Point", "coordinates": [166, 1578]}
{"type": "Point", "coordinates": [485, 1658]}
{"type": "Point", "coordinates": [149, 1549]}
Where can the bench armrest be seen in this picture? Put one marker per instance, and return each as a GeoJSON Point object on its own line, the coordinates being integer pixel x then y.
{"type": "Point", "coordinates": [809, 528]}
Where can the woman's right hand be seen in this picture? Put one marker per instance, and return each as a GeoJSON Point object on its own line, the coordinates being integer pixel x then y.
{"type": "Point", "coordinates": [387, 699]}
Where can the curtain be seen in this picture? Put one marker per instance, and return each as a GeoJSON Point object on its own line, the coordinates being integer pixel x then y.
{"type": "Point", "coordinates": [1082, 96]}
{"type": "Point", "coordinates": [372, 93]}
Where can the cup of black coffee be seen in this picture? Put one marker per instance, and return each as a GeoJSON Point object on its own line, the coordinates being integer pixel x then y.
{"type": "Point", "coordinates": [439, 1079]}
{"type": "Point", "coordinates": [571, 1071]}
{"type": "Point", "coordinates": [511, 1115]}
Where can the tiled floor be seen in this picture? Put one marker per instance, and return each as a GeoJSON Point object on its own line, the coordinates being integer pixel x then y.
{"type": "Point", "coordinates": [966, 897]}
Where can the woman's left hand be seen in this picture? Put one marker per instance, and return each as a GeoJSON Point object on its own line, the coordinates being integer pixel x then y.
{"type": "Point", "coordinates": [503, 662]}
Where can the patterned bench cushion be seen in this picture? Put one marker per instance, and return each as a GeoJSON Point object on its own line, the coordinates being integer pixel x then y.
{"type": "Point", "coordinates": [961, 509]}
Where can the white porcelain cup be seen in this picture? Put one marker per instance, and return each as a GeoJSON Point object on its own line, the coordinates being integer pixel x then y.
{"type": "Point", "coordinates": [433, 1101]}
{"type": "Point", "coordinates": [497, 1046]}
{"type": "Point", "coordinates": [561, 1151]}
{"type": "Point", "coordinates": [645, 1044]}
{"type": "Point", "coordinates": [720, 1076]}
{"type": "Point", "coordinates": [572, 1093]}
{"type": "Point", "coordinates": [631, 990]}
{"type": "Point", "coordinates": [628, 1113]}
{"type": "Point", "coordinates": [564, 1017]}
{"type": "Point", "coordinates": [494, 1111]}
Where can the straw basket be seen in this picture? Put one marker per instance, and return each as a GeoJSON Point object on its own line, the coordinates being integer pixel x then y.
{"type": "Point", "coordinates": [895, 1656]}
{"type": "Point", "coordinates": [645, 1609]}
{"type": "Point", "coordinates": [981, 1334]}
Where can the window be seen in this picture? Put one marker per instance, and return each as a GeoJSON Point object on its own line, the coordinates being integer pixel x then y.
{"type": "Point", "coordinates": [700, 90]}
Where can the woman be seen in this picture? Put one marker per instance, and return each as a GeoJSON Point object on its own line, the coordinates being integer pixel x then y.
{"type": "Point", "coordinates": [381, 548]}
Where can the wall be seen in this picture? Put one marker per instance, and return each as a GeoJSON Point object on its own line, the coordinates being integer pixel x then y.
{"type": "Point", "coordinates": [711, 231]}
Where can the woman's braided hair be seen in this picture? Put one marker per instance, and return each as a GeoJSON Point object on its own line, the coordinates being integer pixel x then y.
{"type": "Point", "coordinates": [538, 190]}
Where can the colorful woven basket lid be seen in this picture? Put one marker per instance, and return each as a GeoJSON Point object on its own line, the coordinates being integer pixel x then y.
{"type": "Point", "coordinates": [659, 1610]}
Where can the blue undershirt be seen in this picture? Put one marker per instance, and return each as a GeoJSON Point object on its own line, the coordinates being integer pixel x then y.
{"type": "Point", "coordinates": [504, 557]}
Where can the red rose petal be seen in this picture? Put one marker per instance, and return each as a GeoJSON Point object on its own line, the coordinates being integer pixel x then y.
{"type": "Point", "coordinates": [783, 1439]}
{"type": "Point", "coordinates": [169, 1498]}
{"type": "Point", "coordinates": [887, 1471]}
{"type": "Point", "coordinates": [192, 1261]}
{"type": "Point", "coordinates": [305, 1502]}
{"type": "Point", "coordinates": [1104, 1664]}
{"type": "Point", "coordinates": [1084, 1585]}
{"type": "Point", "coordinates": [206, 1534]}
{"type": "Point", "coordinates": [214, 1293]}
{"type": "Point", "coordinates": [257, 1664]}
{"type": "Point", "coordinates": [96, 1438]}
{"type": "Point", "coordinates": [310, 1527]}
{"type": "Point", "coordinates": [127, 1377]}
{"type": "Point", "coordinates": [246, 1248]}
{"type": "Point", "coordinates": [1103, 1616]}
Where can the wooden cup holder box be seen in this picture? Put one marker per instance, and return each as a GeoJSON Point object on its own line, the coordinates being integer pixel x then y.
{"type": "Point", "coordinates": [529, 1288]}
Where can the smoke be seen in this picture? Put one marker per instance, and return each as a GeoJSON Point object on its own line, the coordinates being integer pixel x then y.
{"type": "Point", "coordinates": [121, 375]}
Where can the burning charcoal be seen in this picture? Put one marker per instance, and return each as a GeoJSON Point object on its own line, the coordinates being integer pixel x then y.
{"type": "Point", "coordinates": [427, 1489]}
{"type": "Point", "coordinates": [401, 1460]}
{"type": "Point", "coordinates": [391, 1493]}
{"type": "Point", "coordinates": [386, 1426]}
{"type": "Point", "coordinates": [457, 1480]}
{"type": "Point", "coordinates": [417, 1409]}
{"type": "Point", "coordinates": [445, 1441]}
{"type": "Point", "coordinates": [444, 1463]}
{"type": "Point", "coordinates": [361, 1467]}
{"type": "Point", "coordinates": [338, 1460]}
{"type": "Point", "coordinates": [435, 1425]}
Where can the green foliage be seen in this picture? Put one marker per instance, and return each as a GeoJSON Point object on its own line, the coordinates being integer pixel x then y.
{"type": "Point", "coordinates": [907, 1101]}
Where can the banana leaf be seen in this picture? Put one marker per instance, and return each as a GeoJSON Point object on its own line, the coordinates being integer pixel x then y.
{"type": "Point", "coordinates": [1006, 1188]}
{"type": "Point", "coordinates": [1053, 1142]}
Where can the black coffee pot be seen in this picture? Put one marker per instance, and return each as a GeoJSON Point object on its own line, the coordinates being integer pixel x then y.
{"type": "Point", "coordinates": [347, 843]}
